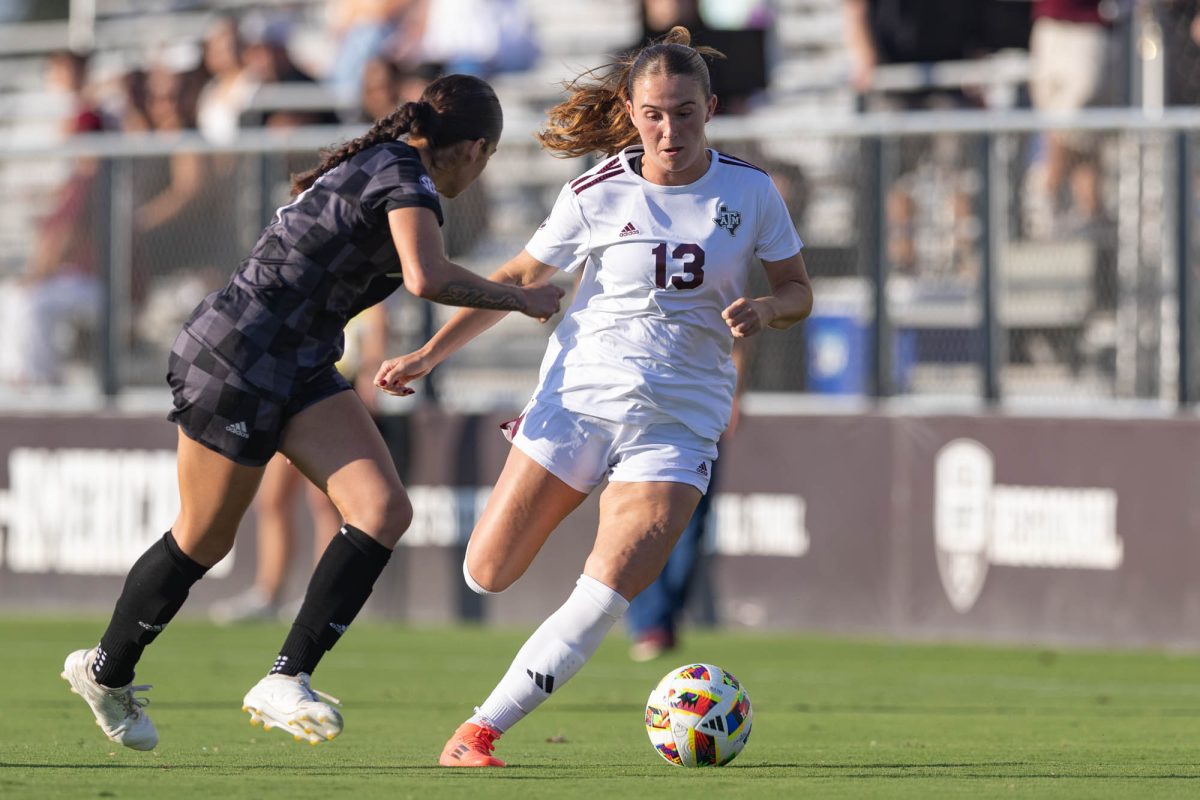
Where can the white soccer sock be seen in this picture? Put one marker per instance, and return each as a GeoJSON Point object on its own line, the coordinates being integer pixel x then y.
{"type": "Point", "coordinates": [471, 582]}
{"type": "Point", "coordinates": [555, 652]}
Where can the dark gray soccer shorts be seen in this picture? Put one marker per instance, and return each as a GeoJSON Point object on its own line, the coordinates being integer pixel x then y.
{"type": "Point", "coordinates": [216, 407]}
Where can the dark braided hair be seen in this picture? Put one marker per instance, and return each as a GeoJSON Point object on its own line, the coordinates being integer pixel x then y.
{"type": "Point", "coordinates": [593, 118]}
{"type": "Point", "coordinates": [454, 108]}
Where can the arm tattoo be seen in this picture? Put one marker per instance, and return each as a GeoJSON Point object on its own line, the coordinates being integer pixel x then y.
{"type": "Point", "coordinates": [460, 294]}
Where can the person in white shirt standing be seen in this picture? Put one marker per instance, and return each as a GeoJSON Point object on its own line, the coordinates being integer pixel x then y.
{"type": "Point", "coordinates": [637, 382]}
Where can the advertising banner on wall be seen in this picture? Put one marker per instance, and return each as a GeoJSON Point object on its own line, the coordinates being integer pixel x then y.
{"type": "Point", "coordinates": [1077, 530]}
{"type": "Point", "coordinates": [987, 528]}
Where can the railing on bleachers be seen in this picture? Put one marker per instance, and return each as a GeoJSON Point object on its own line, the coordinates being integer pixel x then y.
{"type": "Point", "coordinates": [992, 308]}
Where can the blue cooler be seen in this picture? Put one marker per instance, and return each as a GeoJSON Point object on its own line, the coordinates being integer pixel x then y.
{"type": "Point", "coordinates": [837, 354]}
{"type": "Point", "coordinates": [839, 336]}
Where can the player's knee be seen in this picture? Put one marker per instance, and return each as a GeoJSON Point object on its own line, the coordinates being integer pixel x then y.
{"type": "Point", "coordinates": [386, 515]}
{"type": "Point", "coordinates": [625, 578]}
{"type": "Point", "coordinates": [483, 578]}
{"type": "Point", "coordinates": [398, 514]}
{"type": "Point", "coordinates": [204, 544]}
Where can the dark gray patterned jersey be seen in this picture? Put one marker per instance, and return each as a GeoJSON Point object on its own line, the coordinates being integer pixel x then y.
{"type": "Point", "coordinates": [324, 258]}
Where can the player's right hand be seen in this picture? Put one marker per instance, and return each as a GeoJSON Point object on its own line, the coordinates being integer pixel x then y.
{"type": "Point", "coordinates": [541, 301]}
{"type": "Point", "coordinates": [395, 374]}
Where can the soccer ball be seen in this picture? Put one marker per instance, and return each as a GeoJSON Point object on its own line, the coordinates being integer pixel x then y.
{"type": "Point", "coordinates": [698, 716]}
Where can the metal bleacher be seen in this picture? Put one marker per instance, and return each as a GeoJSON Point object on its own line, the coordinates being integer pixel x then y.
{"type": "Point", "coordinates": [807, 118]}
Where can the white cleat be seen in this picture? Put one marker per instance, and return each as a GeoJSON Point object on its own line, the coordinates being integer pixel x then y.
{"type": "Point", "coordinates": [119, 712]}
{"type": "Point", "coordinates": [288, 702]}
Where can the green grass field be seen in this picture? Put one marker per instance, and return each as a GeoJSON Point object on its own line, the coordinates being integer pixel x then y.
{"type": "Point", "coordinates": [832, 718]}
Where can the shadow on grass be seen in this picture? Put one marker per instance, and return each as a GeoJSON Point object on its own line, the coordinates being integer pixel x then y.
{"type": "Point", "coordinates": [1098, 707]}
{"type": "Point", "coordinates": [983, 770]}
{"type": "Point", "coordinates": [372, 704]}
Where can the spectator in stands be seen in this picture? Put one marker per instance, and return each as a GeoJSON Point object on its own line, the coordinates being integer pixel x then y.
{"type": "Point", "coordinates": [476, 37]}
{"type": "Point", "coordinates": [1069, 51]}
{"type": "Point", "coordinates": [184, 222]}
{"type": "Point", "coordinates": [267, 61]}
{"type": "Point", "coordinates": [517, 47]}
{"type": "Point", "coordinates": [931, 186]}
{"type": "Point", "coordinates": [1005, 25]}
{"type": "Point", "coordinates": [908, 32]}
{"type": "Point", "coordinates": [386, 83]}
{"type": "Point", "coordinates": [361, 30]}
{"type": "Point", "coordinates": [380, 88]}
{"type": "Point", "coordinates": [134, 102]}
{"type": "Point", "coordinates": [191, 227]}
{"type": "Point", "coordinates": [230, 85]}
{"type": "Point", "coordinates": [1181, 41]}
{"type": "Point", "coordinates": [265, 53]}
{"type": "Point", "coordinates": [67, 76]}
{"type": "Point", "coordinates": [59, 288]}
{"type": "Point", "coordinates": [735, 80]}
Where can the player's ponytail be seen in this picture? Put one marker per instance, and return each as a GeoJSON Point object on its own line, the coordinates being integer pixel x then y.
{"type": "Point", "coordinates": [593, 118]}
{"type": "Point", "coordinates": [452, 109]}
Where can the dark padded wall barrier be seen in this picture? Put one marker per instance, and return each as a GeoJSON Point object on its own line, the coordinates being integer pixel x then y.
{"type": "Point", "coordinates": [1072, 530]}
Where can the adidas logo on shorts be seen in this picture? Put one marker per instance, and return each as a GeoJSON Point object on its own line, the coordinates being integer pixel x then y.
{"type": "Point", "coordinates": [239, 429]}
{"type": "Point", "coordinates": [703, 469]}
{"type": "Point", "coordinates": [629, 230]}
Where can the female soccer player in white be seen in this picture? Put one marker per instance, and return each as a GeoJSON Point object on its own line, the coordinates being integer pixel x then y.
{"type": "Point", "coordinates": [637, 382]}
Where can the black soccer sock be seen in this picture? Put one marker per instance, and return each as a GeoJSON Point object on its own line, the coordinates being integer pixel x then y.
{"type": "Point", "coordinates": [155, 589]}
{"type": "Point", "coordinates": [339, 588]}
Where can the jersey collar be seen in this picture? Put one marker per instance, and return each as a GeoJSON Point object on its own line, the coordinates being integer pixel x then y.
{"type": "Point", "coordinates": [636, 150]}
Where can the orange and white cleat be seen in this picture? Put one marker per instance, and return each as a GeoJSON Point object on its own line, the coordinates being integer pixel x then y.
{"type": "Point", "coordinates": [471, 746]}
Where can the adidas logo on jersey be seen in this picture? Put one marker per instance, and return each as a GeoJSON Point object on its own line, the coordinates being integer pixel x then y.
{"type": "Point", "coordinates": [338, 629]}
{"type": "Point", "coordinates": [629, 230]}
{"type": "Point", "coordinates": [239, 429]}
{"type": "Point", "coordinates": [703, 469]}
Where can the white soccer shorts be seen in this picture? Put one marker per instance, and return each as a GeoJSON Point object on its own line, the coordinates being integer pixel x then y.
{"type": "Point", "coordinates": [582, 451]}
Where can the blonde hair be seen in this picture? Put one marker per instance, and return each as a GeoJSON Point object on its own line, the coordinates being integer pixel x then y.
{"type": "Point", "coordinates": [593, 118]}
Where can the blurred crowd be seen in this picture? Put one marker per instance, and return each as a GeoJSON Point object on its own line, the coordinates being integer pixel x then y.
{"type": "Point", "coordinates": [376, 54]}
{"type": "Point", "coordinates": [1081, 54]}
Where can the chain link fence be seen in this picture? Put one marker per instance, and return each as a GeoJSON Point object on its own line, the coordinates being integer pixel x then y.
{"type": "Point", "coordinates": [1001, 282]}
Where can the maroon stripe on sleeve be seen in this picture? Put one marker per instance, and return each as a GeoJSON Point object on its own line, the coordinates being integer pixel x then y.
{"type": "Point", "coordinates": [609, 166]}
{"type": "Point", "coordinates": [597, 179]}
{"type": "Point", "coordinates": [725, 158]}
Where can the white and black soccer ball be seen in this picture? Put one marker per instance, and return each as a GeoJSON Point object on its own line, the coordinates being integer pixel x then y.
{"type": "Point", "coordinates": [698, 716]}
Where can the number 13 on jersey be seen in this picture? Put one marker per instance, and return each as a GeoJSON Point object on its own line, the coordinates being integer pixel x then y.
{"type": "Point", "coordinates": [689, 257]}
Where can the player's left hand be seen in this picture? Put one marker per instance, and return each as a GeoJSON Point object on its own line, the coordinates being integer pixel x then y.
{"type": "Point", "coordinates": [395, 374]}
{"type": "Point", "coordinates": [746, 317]}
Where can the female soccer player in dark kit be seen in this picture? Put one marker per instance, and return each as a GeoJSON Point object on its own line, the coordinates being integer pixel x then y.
{"type": "Point", "coordinates": [638, 381]}
{"type": "Point", "coordinates": [253, 373]}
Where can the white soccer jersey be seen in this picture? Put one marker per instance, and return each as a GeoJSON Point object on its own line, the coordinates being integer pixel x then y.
{"type": "Point", "coordinates": [643, 341]}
